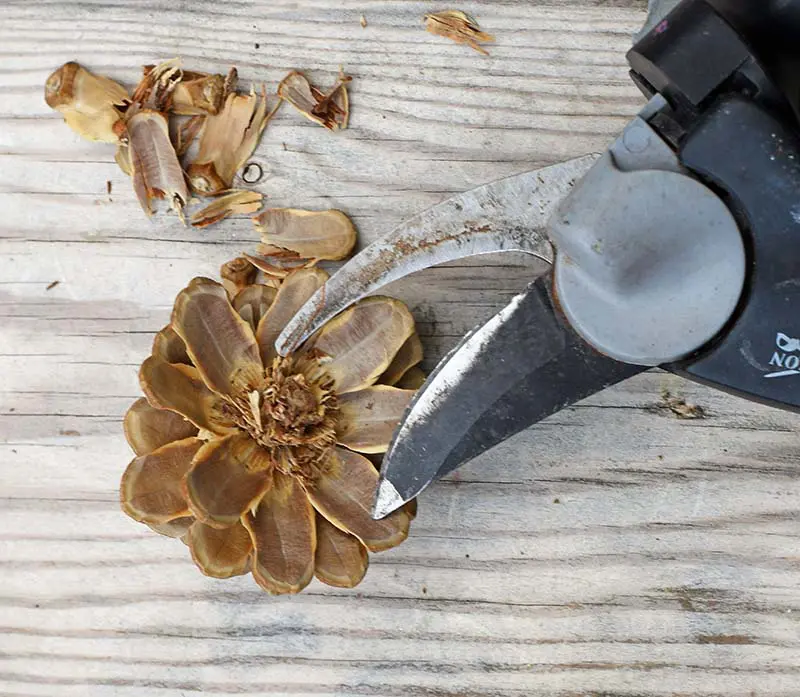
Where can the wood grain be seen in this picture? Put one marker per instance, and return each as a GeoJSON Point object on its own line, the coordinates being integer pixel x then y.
{"type": "Point", "coordinates": [611, 550]}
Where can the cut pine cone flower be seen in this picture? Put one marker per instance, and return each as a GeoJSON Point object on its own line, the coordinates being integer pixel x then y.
{"type": "Point", "coordinates": [257, 461]}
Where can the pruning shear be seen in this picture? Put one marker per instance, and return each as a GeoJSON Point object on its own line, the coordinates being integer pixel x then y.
{"type": "Point", "coordinates": [677, 247]}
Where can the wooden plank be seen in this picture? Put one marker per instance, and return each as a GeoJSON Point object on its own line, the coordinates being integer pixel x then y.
{"type": "Point", "coordinates": [611, 550]}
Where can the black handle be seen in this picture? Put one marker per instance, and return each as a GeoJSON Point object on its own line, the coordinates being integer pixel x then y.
{"type": "Point", "coordinates": [753, 160]}
{"type": "Point", "coordinates": [726, 71]}
{"type": "Point", "coordinates": [704, 48]}
{"type": "Point", "coordinates": [772, 29]}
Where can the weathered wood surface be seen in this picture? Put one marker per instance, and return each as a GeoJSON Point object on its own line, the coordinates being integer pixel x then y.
{"type": "Point", "coordinates": [611, 550]}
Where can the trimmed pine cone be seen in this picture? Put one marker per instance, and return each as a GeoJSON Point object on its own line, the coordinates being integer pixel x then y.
{"type": "Point", "coordinates": [257, 461]}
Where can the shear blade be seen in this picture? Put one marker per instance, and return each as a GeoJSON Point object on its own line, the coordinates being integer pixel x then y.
{"type": "Point", "coordinates": [509, 215]}
{"type": "Point", "coordinates": [523, 365]}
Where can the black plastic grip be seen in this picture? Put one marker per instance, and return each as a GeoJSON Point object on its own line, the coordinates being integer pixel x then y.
{"type": "Point", "coordinates": [706, 48]}
{"type": "Point", "coordinates": [689, 55]}
{"type": "Point", "coordinates": [772, 29]}
{"type": "Point", "coordinates": [767, 23]}
{"type": "Point", "coordinates": [753, 160]}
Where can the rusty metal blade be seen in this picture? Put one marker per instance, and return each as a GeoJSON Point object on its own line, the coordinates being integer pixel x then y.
{"type": "Point", "coordinates": [509, 215]}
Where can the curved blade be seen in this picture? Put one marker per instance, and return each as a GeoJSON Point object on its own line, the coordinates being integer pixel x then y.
{"type": "Point", "coordinates": [523, 365]}
{"type": "Point", "coordinates": [508, 215]}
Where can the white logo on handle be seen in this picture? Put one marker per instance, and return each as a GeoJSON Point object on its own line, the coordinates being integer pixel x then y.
{"type": "Point", "coordinates": [785, 358]}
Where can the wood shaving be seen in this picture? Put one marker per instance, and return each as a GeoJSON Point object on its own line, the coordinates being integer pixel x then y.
{"type": "Point", "coordinates": [198, 93]}
{"type": "Point", "coordinates": [231, 81]}
{"type": "Point", "coordinates": [157, 174]}
{"type": "Point", "coordinates": [240, 202]}
{"type": "Point", "coordinates": [191, 93]}
{"type": "Point", "coordinates": [331, 109]}
{"type": "Point", "coordinates": [678, 407]}
{"type": "Point", "coordinates": [123, 157]}
{"type": "Point", "coordinates": [227, 141]}
{"type": "Point", "coordinates": [187, 132]}
{"type": "Point", "coordinates": [169, 111]}
{"type": "Point", "coordinates": [459, 27]}
{"type": "Point", "coordinates": [155, 89]}
{"type": "Point", "coordinates": [92, 105]}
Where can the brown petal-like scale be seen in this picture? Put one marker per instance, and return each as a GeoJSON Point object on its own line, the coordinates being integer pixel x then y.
{"type": "Point", "coordinates": [459, 27]}
{"type": "Point", "coordinates": [73, 85]}
{"type": "Point", "coordinates": [205, 180]}
{"type": "Point", "coordinates": [89, 103]}
{"type": "Point", "coordinates": [157, 174]}
{"type": "Point", "coordinates": [409, 355]}
{"type": "Point", "coordinates": [277, 263]}
{"type": "Point", "coordinates": [186, 133]}
{"type": "Point", "coordinates": [344, 495]}
{"type": "Point", "coordinates": [169, 346]}
{"type": "Point", "coordinates": [179, 388]}
{"type": "Point", "coordinates": [298, 287]}
{"type": "Point", "coordinates": [335, 105]}
{"type": "Point", "coordinates": [363, 340]}
{"type": "Point", "coordinates": [253, 302]}
{"type": "Point", "coordinates": [177, 527]}
{"type": "Point", "coordinates": [123, 158]}
{"type": "Point", "coordinates": [157, 85]}
{"type": "Point", "coordinates": [228, 476]}
{"type": "Point", "coordinates": [340, 560]}
{"type": "Point", "coordinates": [151, 488]}
{"type": "Point", "coordinates": [284, 537]}
{"type": "Point", "coordinates": [296, 89]}
{"type": "Point", "coordinates": [197, 93]}
{"type": "Point", "coordinates": [237, 274]}
{"type": "Point", "coordinates": [328, 235]}
{"type": "Point", "coordinates": [238, 202]}
{"type": "Point", "coordinates": [412, 379]}
{"type": "Point", "coordinates": [148, 428]}
{"type": "Point", "coordinates": [227, 141]}
{"type": "Point", "coordinates": [220, 553]}
{"type": "Point", "coordinates": [368, 418]}
{"type": "Point", "coordinates": [331, 110]}
{"type": "Point", "coordinates": [220, 343]}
